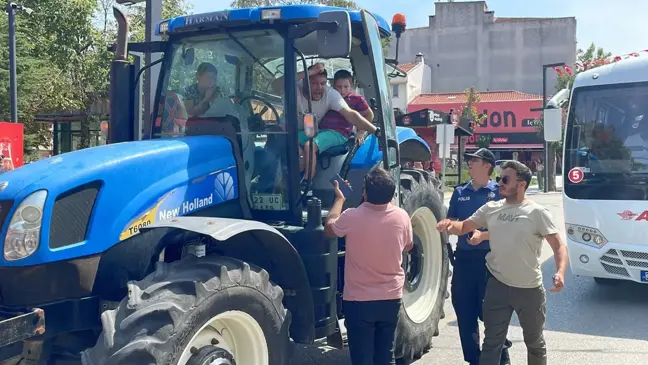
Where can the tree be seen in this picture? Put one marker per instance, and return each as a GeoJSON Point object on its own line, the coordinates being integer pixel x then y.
{"type": "Point", "coordinates": [137, 16]}
{"type": "Point", "coordinates": [590, 58]}
{"type": "Point", "coordinates": [469, 111]}
{"type": "Point", "coordinates": [63, 61]}
{"type": "Point", "coordinates": [53, 44]}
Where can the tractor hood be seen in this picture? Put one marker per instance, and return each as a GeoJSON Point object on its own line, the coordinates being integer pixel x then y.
{"type": "Point", "coordinates": [128, 161]}
{"type": "Point", "coordinates": [111, 191]}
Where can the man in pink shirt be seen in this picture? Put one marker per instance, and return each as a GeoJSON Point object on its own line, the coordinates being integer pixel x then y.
{"type": "Point", "coordinates": [377, 233]}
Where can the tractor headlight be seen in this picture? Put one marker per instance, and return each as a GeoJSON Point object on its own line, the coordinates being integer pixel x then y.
{"type": "Point", "coordinates": [23, 234]}
{"type": "Point", "coordinates": [586, 235]}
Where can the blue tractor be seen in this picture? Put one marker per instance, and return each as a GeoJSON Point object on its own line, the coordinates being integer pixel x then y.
{"type": "Point", "coordinates": [200, 243]}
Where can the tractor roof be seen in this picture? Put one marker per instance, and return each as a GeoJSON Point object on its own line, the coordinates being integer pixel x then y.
{"type": "Point", "coordinates": [257, 16]}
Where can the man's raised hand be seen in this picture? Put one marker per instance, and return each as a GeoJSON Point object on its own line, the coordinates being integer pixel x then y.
{"type": "Point", "coordinates": [316, 69]}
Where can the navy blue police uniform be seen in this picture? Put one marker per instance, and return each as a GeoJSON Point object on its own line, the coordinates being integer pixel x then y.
{"type": "Point", "coordinates": [470, 273]}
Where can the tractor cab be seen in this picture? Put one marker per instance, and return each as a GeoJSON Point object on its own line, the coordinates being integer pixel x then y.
{"type": "Point", "coordinates": [220, 76]}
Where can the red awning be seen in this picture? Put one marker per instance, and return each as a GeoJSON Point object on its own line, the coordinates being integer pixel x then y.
{"type": "Point", "coordinates": [529, 146]}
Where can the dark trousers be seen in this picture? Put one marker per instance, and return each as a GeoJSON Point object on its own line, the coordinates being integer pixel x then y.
{"type": "Point", "coordinates": [469, 280]}
{"type": "Point", "coordinates": [531, 308]}
{"type": "Point", "coordinates": [371, 331]}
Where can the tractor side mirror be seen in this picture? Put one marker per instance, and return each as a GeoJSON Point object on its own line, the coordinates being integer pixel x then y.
{"type": "Point", "coordinates": [334, 34]}
{"type": "Point", "coordinates": [552, 118]}
{"type": "Point", "coordinates": [189, 56]}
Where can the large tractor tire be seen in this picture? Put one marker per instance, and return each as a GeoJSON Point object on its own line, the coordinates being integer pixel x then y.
{"type": "Point", "coordinates": [427, 267]}
{"type": "Point", "coordinates": [209, 310]}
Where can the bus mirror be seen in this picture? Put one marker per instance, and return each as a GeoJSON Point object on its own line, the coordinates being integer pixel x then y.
{"type": "Point", "coordinates": [552, 124]}
{"type": "Point", "coordinates": [334, 34]}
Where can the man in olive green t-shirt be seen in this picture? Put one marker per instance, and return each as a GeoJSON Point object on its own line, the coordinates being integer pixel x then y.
{"type": "Point", "coordinates": [516, 228]}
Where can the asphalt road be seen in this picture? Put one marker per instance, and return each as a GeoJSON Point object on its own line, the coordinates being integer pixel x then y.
{"type": "Point", "coordinates": [586, 323]}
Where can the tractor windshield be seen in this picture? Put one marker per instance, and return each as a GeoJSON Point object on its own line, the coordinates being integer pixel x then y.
{"type": "Point", "coordinates": [223, 78]}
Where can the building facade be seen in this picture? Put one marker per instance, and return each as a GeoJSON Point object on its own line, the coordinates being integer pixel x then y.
{"type": "Point", "coordinates": [508, 124]}
{"type": "Point", "coordinates": [417, 79]}
{"type": "Point", "coordinates": [466, 45]}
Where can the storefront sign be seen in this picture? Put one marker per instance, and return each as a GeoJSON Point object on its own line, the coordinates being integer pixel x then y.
{"type": "Point", "coordinates": [501, 116]}
{"type": "Point", "coordinates": [513, 138]}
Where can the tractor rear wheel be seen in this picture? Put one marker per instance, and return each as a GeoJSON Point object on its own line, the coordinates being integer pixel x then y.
{"type": "Point", "coordinates": [426, 267]}
{"type": "Point", "coordinates": [197, 311]}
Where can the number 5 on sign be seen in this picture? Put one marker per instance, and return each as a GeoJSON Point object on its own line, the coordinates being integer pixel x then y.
{"type": "Point", "coordinates": [576, 175]}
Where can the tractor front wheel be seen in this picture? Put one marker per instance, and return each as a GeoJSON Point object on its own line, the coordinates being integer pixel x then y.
{"type": "Point", "coordinates": [426, 267]}
{"type": "Point", "coordinates": [197, 311]}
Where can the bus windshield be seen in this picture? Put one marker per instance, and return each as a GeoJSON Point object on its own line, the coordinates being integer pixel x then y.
{"type": "Point", "coordinates": [607, 139]}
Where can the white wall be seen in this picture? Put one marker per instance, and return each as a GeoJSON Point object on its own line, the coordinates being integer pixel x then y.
{"type": "Point", "coordinates": [418, 81]}
{"type": "Point", "coordinates": [467, 45]}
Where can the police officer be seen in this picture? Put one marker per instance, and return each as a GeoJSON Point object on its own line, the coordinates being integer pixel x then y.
{"type": "Point", "coordinates": [470, 274]}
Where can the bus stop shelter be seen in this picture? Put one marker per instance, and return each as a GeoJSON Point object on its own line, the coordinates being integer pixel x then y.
{"type": "Point", "coordinates": [66, 131]}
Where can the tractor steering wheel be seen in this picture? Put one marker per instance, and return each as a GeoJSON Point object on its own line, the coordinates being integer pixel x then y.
{"type": "Point", "coordinates": [256, 119]}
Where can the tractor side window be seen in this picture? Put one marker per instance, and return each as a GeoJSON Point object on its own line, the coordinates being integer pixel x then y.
{"type": "Point", "coordinates": [222, 78]}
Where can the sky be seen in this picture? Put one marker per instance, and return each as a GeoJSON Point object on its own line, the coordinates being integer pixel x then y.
{"type": "Point", "coordinates": [617, 28]}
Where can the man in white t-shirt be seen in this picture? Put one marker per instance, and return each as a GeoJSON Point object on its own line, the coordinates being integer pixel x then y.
{"type": "Point", "coordinates": [323, 99]}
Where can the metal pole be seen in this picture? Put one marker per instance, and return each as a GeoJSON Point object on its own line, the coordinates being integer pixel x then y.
{"type": "Point", "coordinates": [13, 93]}
{"type": "Point", "coordinates": [460, 150]}
{"type": "Point", "coordinates": [545, 174]}
{"type": "Point", "coordinates": [153, 16]}
{"type": "Point", "coordinates": [443, 149]}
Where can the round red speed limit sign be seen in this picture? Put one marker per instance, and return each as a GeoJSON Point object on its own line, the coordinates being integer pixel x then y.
{"type": "Point", "coordinates": [575, 175]}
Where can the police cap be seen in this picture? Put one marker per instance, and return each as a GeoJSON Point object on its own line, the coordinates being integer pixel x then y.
{"type": "Point", "coordinates": [483, 153]}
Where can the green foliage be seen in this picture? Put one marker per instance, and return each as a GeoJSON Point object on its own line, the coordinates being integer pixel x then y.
{"type": "Point", "coordinates": [62, 61]}
{"type": "Point", "coordinates": [55, 53]}
{"type": "Point", "coordinates": [483, 141]}
{"type": "Point", "coordinates": [592, 55]}
{"type": "Point", "coordinates": [137, 15]}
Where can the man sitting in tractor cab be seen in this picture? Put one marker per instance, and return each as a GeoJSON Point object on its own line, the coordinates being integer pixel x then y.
{"type": "Point", "coordinates": [199, 95]}
{"type": "Point", "coordinates": [323, 99]}
{"type": "Point", "coordinates": [204, 98]}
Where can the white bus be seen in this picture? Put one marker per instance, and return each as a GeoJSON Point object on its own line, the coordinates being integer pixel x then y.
{"type": "Point", "coordinates": [605, 164]}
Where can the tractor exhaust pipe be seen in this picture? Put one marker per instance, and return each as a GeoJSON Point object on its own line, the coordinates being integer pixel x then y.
{"type": "Point", "coordinates": [121, 49]}
{"type": "Point", "coordinates": [122, 100]}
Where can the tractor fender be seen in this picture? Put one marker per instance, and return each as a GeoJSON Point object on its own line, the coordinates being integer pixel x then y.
{"type": "Point", "coordinates": [264, 246]}
{"type": "Point", "coordinates": [412, 148]}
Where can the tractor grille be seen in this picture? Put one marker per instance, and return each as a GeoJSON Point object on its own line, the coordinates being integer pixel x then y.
{"type": "Point", "coordinates": [618, 262]}
{"type": "Point", "coordinates": [5, 207]}
{"type": "Point", "coordinates": [71, 215]}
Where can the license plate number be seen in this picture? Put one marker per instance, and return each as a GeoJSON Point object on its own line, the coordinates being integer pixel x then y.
{"type": "Point", "coordinates": [267, 201]}
{"type": "Point", "coordinates": [644, 275]}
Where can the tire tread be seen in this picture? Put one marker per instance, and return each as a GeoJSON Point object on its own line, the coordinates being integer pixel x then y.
{"type": "Point", "coordinates": [135, 332]}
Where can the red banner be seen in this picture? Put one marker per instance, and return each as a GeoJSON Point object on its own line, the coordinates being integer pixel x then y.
{"type": "Point", "coordinates": [501, 116]}
{"type": "Point", "coordinates": [11, 144]}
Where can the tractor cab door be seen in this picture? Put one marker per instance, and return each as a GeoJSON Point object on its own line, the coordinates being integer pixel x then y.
{"type": "Point", "coordinates": [384, 113]}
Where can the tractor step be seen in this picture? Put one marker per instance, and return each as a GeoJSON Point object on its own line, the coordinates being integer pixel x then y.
{"type": "Point", "coordinates": [18, 325]}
